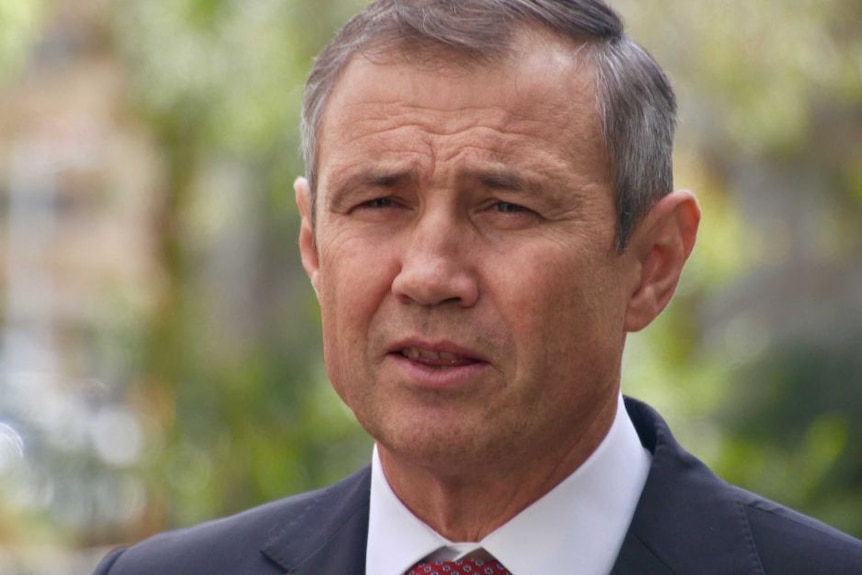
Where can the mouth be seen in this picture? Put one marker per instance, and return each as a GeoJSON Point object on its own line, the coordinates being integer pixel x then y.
{"type": "Point", "coordinates": [436, 359]}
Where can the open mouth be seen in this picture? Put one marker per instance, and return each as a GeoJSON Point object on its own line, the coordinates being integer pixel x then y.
{"type": "Point", "coordinates": [436, 359]}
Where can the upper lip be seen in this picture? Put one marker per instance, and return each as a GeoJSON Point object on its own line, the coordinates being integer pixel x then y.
{"type": "Point", "coordinates": [444, 348]}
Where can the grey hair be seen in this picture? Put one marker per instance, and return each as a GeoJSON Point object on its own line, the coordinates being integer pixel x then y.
{"type": "Point", "coordinates": [636, 104]}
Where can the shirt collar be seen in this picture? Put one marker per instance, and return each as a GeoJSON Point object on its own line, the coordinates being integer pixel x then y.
{"type": "Point", "coordinates": [581, 522]}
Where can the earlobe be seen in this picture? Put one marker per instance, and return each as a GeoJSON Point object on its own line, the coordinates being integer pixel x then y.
{"type": "Point", "coordinates": [662, 243]}
{"type": "Point", "coordinates": [307, 245]}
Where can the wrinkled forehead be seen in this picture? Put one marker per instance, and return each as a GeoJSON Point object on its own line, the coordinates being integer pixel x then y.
{"type": "Point", "coordinates": [541, 96]}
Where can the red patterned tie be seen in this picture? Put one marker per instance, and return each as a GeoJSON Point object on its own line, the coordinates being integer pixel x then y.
{"type": "Point", "coordinates": [464, 567]}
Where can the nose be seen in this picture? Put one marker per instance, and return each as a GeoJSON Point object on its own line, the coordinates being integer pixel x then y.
{"type": "Point", "coordinates": [436, 265]}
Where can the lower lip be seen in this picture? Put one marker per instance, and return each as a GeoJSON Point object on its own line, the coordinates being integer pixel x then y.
{"type": "Point", "coordinates": [426, 376]}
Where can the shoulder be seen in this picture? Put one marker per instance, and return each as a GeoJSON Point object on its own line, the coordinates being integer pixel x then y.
{"type": "Point", "coordinates": [238, 544]}
{"type": "Point", "coordinates": [690, 520]}
{"type": "Point", "coordinates": [790, 542]}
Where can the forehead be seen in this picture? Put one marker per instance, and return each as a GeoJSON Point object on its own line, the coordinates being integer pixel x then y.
{"type": "Point", "coordinates": [540, 93]}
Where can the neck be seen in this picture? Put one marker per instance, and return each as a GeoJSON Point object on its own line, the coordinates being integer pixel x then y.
{"type": "Point", "coordinates": [465, 506]}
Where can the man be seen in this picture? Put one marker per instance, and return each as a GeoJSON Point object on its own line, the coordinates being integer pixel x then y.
{"type": "Point", "coordinates": [488, 212]}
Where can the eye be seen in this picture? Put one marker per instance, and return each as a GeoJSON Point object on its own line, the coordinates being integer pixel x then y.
{"type": "Point", "coordinates": [504, 215]}
{"type": "Point", "coordinates": [377, 203]}
{"type": "Point", "coordinates": [378, 208]}
{"type": "Point", "coordinates": [509, 208]}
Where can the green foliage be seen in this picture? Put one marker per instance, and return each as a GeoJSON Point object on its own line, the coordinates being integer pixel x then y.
{"type": "Point", "coordinates": [796, 415]}
{"type": "Point", "coordinates": [19, 28]}
{"type": "Point", "coordinates": [234, 345]}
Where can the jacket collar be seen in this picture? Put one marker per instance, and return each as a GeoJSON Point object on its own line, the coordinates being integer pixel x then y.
{"type": "Point", "coordinates": [687, 519]}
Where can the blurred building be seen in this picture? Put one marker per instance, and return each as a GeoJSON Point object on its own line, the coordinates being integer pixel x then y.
{"type": "Point", "coordinates": [77, 274]}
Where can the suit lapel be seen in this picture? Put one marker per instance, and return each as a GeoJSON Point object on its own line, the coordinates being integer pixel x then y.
{"type": "Point", "coordinates": [687, 519]}
{"type": "Point", "coordinates": [328, 533]}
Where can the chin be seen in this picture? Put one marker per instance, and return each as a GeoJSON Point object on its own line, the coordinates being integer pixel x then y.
{"type": "Point", "coordinates": [443, 447]}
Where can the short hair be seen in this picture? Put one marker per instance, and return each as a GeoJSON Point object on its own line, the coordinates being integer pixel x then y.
{"type": "Point", "coordinates": [635, 101]}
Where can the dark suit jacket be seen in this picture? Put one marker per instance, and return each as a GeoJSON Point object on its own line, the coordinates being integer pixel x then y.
{"type": "Point", "coordinates": [687, 522]}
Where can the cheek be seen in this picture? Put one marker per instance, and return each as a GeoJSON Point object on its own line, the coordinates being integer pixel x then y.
{"type": "Point", "coordinates": [338, 306]}
{"type": "Point", "coordinates": [566, 311]}
{"type": "Point", "coordinates": [346, 279]}
{"type": "Point", "coordinates": [352, 290]}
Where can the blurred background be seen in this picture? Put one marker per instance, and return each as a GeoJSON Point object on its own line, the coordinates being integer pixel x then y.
{"type": "Point", "coordinates": [160, 360]}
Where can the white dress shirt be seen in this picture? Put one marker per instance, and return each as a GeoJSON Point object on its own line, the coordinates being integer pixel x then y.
{"type": "Point", "coordinates": [577, 527]}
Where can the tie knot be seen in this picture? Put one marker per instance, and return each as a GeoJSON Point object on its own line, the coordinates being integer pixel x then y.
{"type": "Point", "coordinates": [463, 567]}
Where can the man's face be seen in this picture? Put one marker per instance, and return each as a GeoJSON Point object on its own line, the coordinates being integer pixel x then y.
{"type": "Point", "coordinates": [472, 302]}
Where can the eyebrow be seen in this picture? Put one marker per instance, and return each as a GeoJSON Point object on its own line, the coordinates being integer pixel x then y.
{"type": "Point", "coordinates": [553, 189]}
{"type": "Point", "coordinates": [388, 179]}
{"type": "Point", "coordinates": [500, 180]}
{"type": "Point", "coordinates": [505, 180]}
{"type": "Point", "coordinates": [378, 178]}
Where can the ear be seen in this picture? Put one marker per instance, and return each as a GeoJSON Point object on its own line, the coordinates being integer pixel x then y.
{"type": "Point", "coordinates": [661, 242]}
{"type": "Point", "coordinates": [307, 247]}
